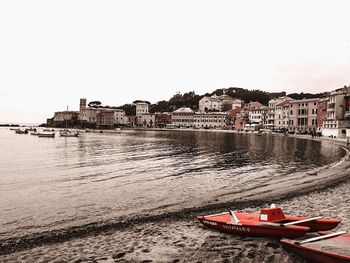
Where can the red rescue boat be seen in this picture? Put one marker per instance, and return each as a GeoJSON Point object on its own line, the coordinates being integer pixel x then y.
{"type": "Point", "coordinates": [324, 248]}
{"type": "Point", "coordinates": [271, 222]}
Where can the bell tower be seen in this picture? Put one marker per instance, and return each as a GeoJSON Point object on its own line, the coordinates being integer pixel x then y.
{"type": "Point", "coordinates": [82, 104]}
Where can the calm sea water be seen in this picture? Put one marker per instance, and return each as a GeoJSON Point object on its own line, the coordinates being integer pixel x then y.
{"type": "Point", "coordinates": [55, 183]}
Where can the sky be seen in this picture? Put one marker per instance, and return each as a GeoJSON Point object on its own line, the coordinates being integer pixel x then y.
{"type": "Point", "coordinates": [52, 53]}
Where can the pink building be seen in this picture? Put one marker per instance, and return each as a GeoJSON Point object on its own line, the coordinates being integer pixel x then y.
{"type": "Point", "coordinates": [303, 115]}
{"type": "Point", "coordinates": [322, 112]}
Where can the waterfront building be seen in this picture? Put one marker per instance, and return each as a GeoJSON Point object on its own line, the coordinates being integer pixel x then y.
{"type": "Point", "coordinates": [233, 116]}
{"type": "Point", "coordinates": [182, 117]}
{"type": "Point", "coordinates": [210, 119]}
{"type": "Point", "coordinates": [322, 112]}
{"type": "Point", "coordinates": [259, 117]}
{"type": "Point", "coordinates": [147, 120]}
{"type": "Point", "coordinates": [282, 115]}
{"type": "Point", "coordinates": [87, 115]}
{"type": "Point", "coordinates": [162, 119]}
{"type": "Point", "coordinates": [275, 120]}
{"type": "Point", "coordinates": [303, 115]}
{"type": "Point", "coordinates": [97, 115]}
{"type": "Point", "coordinates": [338, 113]}
{"type": "Point", "coordinates": [242, 118]}
{"type": "Point", "coordinates": [119, 117]}
{"type": "Point", "coordinates": [105, 119]}
{"type": "Point", "coordinates": [141, 108]}
{"type": "Point", "coordinates": [130, 121]}
{"type": "Point", "coordinates": [62, 116]}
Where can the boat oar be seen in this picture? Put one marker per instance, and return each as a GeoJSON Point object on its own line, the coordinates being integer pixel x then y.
{"type": "Point", "coordinates": [313, 239]}
{"type": "Point", "coordinates": [302, 221]}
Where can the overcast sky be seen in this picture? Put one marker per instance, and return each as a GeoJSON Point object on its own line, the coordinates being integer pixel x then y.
{"type": "Point", "coordinates": [54, 52]}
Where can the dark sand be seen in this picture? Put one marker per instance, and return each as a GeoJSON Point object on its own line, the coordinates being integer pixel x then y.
{"type": "Point", "coordinates": [183, 239]}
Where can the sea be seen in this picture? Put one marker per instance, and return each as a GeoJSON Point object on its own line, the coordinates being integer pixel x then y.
{"type": "Point", "coordinates": [54, 184]}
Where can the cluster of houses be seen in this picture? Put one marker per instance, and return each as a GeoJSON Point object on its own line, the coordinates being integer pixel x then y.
{"type": "Point", "coordinates": [329, 115]}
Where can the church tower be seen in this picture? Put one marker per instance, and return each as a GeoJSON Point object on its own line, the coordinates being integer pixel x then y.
{"type": "Point", "coordinates": [82, 104]}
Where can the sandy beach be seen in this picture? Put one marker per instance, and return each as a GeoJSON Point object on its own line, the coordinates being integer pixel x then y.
{"type": "Point", "coordinates": [181, 238]}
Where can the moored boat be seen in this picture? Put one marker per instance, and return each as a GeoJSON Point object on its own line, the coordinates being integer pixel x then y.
{"type": "Point", "coordinates": [67, 133]}
{"type": "Point", "coordinates": [46, 134]}
{"type": "Point", "coordinates": [19, 131]}
{"type": "Point", "coordinates": [323, 248]}
{"type": "Point", "coordinates": [271, 222]}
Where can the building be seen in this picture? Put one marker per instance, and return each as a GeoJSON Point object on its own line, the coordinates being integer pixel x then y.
{"type": "Point", "coordinates": [105, 119]}
{"type": "Point", "coordinates": [90, 115]}
{"type": "Point", "coordinates": [62, 116]}
{"type": "Point", "coordinates": [281, 115]}
{"type": "Point", "coordinates": [242, 118]}
{"type": "Point", "coordinates": [303, 115]}
{"type": "Point", "coordinates": [236, 104]}
{"type": "Point", "coordinates": [141, 108]}
{"type": "Point", "coordinates": [147, 120]}
{"type": "Point", "coordinates": [254, 105]}
{"type": "Point", "coordinates": [182, 117]}
{"type": "Point", "coordinates": [258, 116]}
{"type": "Point", "coordinates": [209, 104]}
{"type": "Point", "coordinates": [210, 120]}
{"type": "Point", "coordinates": [233, 116]}
{"type": "Point", "coordinates": [322, 112]}
{"type": "Point", "coordinates": [338, 113]}
{"type": "Point", "coordinates": [162, 119]}
{"type": "Point", "coordinates": [119, 117]}
{"type": "Point", "coordinates": [274, 115]}
{"type": "Point", "coordinates": [65, 118]}
{"type": "Point", "coordinates": [130, 121]}
{"type": "Point", "coordinates": [216, 103]}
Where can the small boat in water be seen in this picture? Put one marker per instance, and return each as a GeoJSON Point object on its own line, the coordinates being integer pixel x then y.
{"type": "Point", "coordinates": [67, 133]}
{"type": "Point", "coordinates": [46, 134]}
{"type": "Point", "coordinates": [34, 133]}
{"type": "Point", "coordinates": [322, 248]}
{"type": "Point", "coordinates": [271, 222]}
{"type": "Point", "coordinates": [19, 131]}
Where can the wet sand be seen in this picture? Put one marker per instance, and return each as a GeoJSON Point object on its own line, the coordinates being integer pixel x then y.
{"type": "Point", "coordinates": [182, 239]}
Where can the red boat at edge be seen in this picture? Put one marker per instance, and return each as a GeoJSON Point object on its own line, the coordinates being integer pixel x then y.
{"type": "Point", "coordinates": [271, 222]}
{"type": "Point", "coordinates": [324, 248]}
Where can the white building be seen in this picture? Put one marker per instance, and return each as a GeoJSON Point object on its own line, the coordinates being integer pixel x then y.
{"type": "Point", "coordinates": [182, 117]}
{"type": "Point", "coordinates": [258, 116]}
{"type": "Point", "coordinates": [338, 114]}
{"type": "Point", "coordinates": [141, 108]}
{"type": "Point", "coordinates": [210, 120]}
{"type": "Point", "coordinates": [237, 104]}
{"type": "Point", "coordinates": [209, 103]}
{"type": "Point", "coordinates": [216, 103]}
{"type": "Point", "coordinates": [119, 117]}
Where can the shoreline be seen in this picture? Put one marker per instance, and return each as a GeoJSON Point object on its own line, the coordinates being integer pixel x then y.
{"type": "Point", "coordinates": [335, 175]}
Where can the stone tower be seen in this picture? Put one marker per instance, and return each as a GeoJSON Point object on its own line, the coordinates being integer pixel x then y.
{"type": "Point", "coordinates": [82, 104]}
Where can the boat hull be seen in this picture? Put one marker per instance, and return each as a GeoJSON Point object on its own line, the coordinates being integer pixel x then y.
{"type": "Point", "coordinates": [336, 250]}
{"type": "Point", "coordinates": [322, 224]}
{"type": "Point", "coordinates": [253, 229]}
{"type": "Point", "coordinates": [46, 135]}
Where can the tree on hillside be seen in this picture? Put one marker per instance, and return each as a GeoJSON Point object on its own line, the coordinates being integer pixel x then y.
{"type": "Point", "coordinates": [94, 103]}
{"type": "Point", "coordinates": [129, 109]}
